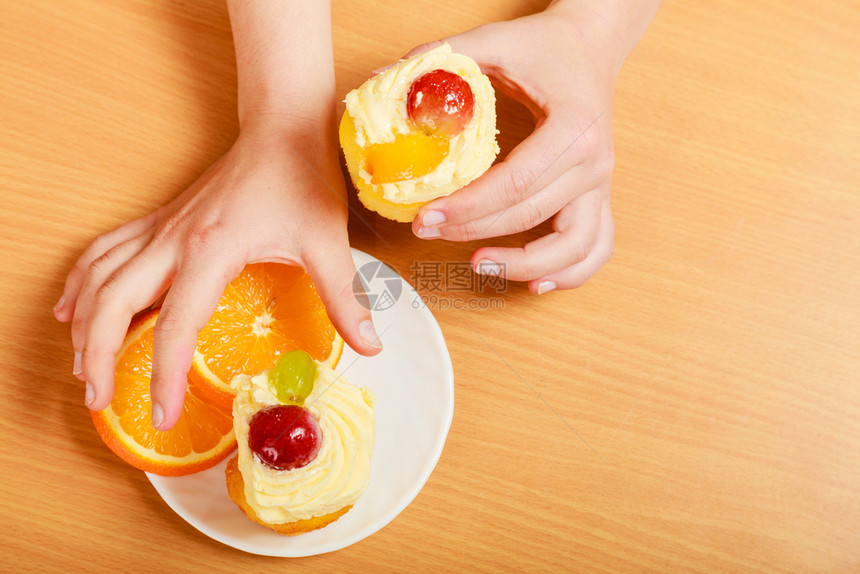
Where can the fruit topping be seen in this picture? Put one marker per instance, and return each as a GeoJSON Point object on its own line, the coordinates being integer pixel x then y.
{"type": "Point", "coordinates": [293, 376]}
{"type": "Point", "coordinates": [440, 102]}
{"type": "Point", "coordinates": [284, 437]}
{"type": "Point", "coordinates": [409, 156]}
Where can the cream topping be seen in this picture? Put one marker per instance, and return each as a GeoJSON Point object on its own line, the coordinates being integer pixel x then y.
{"type": "Point", "coordinates": [378, 109]}
{"type": "Point", "coordinates": [338, 475]}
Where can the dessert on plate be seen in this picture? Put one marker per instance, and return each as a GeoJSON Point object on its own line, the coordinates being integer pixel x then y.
{"type": "Point", "coordinates": [419, 130]}
{"type": "Point", "coordinates": [305, 441]}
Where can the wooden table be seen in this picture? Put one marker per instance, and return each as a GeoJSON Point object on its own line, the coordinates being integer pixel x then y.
{"type": "Point", "coordinates": [697, 403]}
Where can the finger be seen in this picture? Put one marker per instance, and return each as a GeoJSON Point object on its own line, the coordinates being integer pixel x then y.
{"type": "Point", "coordinates": [426, 47]}
{"type": "Point", "coordinates": [131, 288]}
{"type": "Point", "coordinates": [476, 43]}
{"type": "Point", "coordinates": [472, 43]}
{"type": "Point", "coordinates": [529, 213]}
{"type": "Point", "coordinates": [187, 308]}
{"type": "Point", "coordinates": [413, 52]}
{"type": "Point", "coordinates": [98, 272]}
{"type": "Point", "coordinates": [575, 232]}
{"type": "Point", "coordinates": [578, 273]}
{"type": "Point", "coordinates": [480, 44]}
{"type": "Point", "coordinates": [333, 273]}
{"type": "Point", "coordinates": [555, 147]}
{"type": "Point", "coordinates": [65, 307]}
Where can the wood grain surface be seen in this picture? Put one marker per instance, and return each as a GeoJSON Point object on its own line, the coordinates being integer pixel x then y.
{"type": "Point", "coordinates": [693, 408]}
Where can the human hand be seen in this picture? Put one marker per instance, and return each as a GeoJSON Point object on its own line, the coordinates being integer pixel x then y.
{"type": "Point", "coordinates": [561, 64]}
{"type": "Point", "coordinates": [276, 195]}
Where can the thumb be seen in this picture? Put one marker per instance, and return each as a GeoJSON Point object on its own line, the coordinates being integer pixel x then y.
{"type": "Point", "coordinates": [413, 52]}
{"type": "Point", "coordinates": [472, 43]}
{"type": "Point", "coordinates": [333, 272]}
{"type": "Point", "coordinates": [476, 43]}
{"type": "Point", "coordinates": [426, 47]}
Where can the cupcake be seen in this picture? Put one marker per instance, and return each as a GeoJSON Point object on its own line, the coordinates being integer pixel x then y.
{"type": "Point", "coordinates": [305, 441]}
{"type": "Point", "coordinates": [419, 130]}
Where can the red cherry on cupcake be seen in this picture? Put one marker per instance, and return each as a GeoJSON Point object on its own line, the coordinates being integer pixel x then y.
{"type": "Point", "coordinates": [284, 437]}
{"type": "Point", "coordinates": [440, 102]}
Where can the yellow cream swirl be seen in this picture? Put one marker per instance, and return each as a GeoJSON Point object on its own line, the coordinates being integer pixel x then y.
{"type": "Point", "coordinates": [378, 109]}
{"type": "Point", "coordinates": [338, 475]}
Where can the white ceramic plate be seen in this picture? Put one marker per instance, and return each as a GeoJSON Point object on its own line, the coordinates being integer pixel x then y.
{"type": "Point", "coordinates": [414, 385]}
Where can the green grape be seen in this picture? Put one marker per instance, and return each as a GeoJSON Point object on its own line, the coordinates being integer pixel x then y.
{"type": "Point", "coordinates": [293, 377]}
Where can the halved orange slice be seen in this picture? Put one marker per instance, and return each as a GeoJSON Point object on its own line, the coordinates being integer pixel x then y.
{"type": "Point", "coordinates": [202, 437]}
{"type": "Point", "coordinates": [267, 310]}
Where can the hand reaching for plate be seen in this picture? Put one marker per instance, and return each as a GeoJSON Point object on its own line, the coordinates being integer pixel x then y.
{"type": "Point", "coordinates": [277, 195]}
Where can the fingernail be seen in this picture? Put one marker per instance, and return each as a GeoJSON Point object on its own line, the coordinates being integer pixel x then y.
{"type": "Point", "coordinates": [76, 367]}
{"type": "Point", "coordinates": [428, 233]}
{"type": "Point", "coordinates": [90, 395]}
{"type": "Point", "coordinates": [433, 217]}
{"type": "Point", "coordinates": [157, 415]}
{"type": "Point", "coordinates": [60, 303]}
{"type": "Point", "coordinates": [368, 334]}
{"type": "Point", "coordinates": [546, 287]}
{"type": "Point", "coordinates": [487, 267]}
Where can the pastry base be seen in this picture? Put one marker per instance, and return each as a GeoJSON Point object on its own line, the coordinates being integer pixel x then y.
{"type": "Point", "coordinates": [236, 490]}
{"type": "Point", "coordinates": [370, 195]}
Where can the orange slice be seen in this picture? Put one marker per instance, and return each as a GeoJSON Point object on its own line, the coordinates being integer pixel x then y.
{"type": "Point", "coordinates": [202, 437]}
{"type": "Point", "coordinates": [267, 310]}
